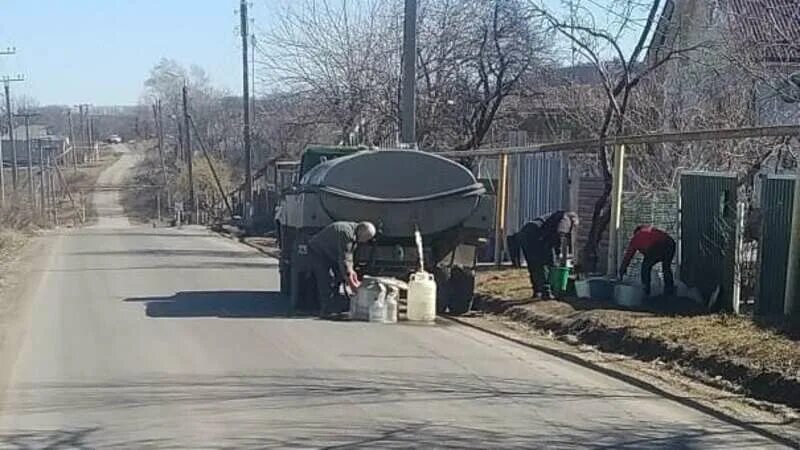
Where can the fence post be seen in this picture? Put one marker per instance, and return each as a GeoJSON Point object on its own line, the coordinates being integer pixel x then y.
{"type": "Point", "coordinates": [500, 209]}
{"type": "Point", "coordinates": [616, 210]}
{"type": "Point", "coordinates": [158, 205]}
{"type": "Point", "coordinates": [737, 258]}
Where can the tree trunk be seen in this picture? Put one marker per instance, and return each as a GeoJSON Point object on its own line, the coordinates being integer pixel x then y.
{"type": "Point", "coordinates": [600, 218]}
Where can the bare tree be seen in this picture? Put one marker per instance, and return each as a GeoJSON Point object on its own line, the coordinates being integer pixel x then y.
{"type": "Point", "coordinates": [340, 53]}
{"type": "Point", "coordinates": [621, 73]}
{"type": "Point", "coordinates": [471, 56]}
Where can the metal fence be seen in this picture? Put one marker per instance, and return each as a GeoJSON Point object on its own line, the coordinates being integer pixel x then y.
{"type": "Point", "coordinates": [777, 198]}
{"type": "Point", "coordinates": [708, 228]}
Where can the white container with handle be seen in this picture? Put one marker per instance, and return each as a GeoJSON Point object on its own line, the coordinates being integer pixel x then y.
{"type": "Point", "coordinates": [421, 297]}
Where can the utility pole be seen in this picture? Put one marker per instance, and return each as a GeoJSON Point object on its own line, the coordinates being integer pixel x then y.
{"type": "Point", "coordinates": [51, 185]}
{"type": "Point", "coordinates": [31, 192]}
{"type": "Point", "coordinates": [408, 104]}
{"type": "Point", "coordinates": [72, 141]}
{"type": "Point", "coordinates": [81, 135]}
{"type": "Point", "coordinates": [248, 152]}
{"type": "Point", "coordinates": [92, 153]}
{"type": "Point", "coordinates": [41, 179]}
{"type": "Point", "coordinates": [7, 86]}
{"type": "Point", "coordinates": [188, 146]}
{"type": "Point", "coordinates": [88, 133]}
{"type": "Point", "coordinates": [160, 136]}
{"type": "Point", "coordinates": [8, 51]}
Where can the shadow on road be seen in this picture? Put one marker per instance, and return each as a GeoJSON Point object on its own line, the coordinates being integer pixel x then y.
{"type": "Point", "coordinates": [319, 402]}
{"type": "Point", "coordinates": [185, 266]}
{"type": "Point", "coordinates": [227, 304]}
{"type": "Point", "coordinates": [168, 253]}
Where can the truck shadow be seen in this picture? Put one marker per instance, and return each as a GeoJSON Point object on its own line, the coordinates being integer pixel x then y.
{"type": "Point", "coordinates": [223, 304]}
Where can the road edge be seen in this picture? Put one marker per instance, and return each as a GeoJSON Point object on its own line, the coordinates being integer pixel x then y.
{"type": "Point", "coordinates": [637, 381]}
{"type": "Point", "coordinates": [25, 282]}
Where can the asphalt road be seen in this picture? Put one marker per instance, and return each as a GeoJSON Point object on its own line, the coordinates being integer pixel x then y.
{"type": "Point", "coordinates": [162, 338]}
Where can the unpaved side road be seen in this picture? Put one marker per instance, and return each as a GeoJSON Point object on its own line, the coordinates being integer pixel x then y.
{"type": "Point", "coordinates": [138, 337]}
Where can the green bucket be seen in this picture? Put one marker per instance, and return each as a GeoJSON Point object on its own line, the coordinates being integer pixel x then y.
{"type": "Point", "coordinates": [559, 278]}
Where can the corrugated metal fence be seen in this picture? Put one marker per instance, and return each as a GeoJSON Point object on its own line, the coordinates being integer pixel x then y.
{"type": "Point", "coordinates": [708, 231]}
{"type": "Point", "coordinates": [538, 184]}
{"type": "Point", "coordinates": [777, 197]}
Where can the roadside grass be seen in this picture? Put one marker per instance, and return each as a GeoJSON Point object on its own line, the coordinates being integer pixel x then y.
{"type": "Point", "coordinates": [758, 357]}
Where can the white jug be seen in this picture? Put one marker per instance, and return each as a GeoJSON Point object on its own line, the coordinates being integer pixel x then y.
{"type": "Point", "coordinates": [421, 297]}
{"type": "Point", "coordinates": [377, 309]}
{"type": "Point", "coordinates": [392, 296]}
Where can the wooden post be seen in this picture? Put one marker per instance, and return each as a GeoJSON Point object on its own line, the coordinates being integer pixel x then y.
{"type": "Point", "coordinates": [158, 204]}
{"type": "Point", "coordinates": [500, 207]}
{"type": "Point", "coordinates": [616, 210]}
{"type": "Point", "coordinates": [52, 187]}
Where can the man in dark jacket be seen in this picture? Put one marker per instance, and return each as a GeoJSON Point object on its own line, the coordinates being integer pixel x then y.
{"type": "Point", "coordinates": [657, 247]}
{"type": "Point", "coordinates": [545, 241]}
{"type": "Point", "coordinates": [331, 251]}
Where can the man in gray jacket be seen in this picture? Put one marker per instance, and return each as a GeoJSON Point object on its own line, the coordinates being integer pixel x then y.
{"type": "Point", "coordinates": [332, 258]}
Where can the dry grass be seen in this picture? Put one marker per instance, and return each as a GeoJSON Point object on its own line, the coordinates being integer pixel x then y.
{"type": "Point", "coordinates": [761, 346]}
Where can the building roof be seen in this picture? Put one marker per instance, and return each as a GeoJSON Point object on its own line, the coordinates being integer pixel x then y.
{"type": "Point", "coordinates": [771, 25]}
{"type": "Point", "coordinates": [36, 132]}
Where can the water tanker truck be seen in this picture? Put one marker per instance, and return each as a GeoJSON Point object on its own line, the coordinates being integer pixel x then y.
{"type": "Point", "coordinates": [400, 191]}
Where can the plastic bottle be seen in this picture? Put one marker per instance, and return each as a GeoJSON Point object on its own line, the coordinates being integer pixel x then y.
{"type": "Point", "coordinates": [392, 295]}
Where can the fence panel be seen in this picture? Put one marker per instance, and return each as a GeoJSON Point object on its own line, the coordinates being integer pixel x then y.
{"type": "Point", "coordinates": [540, 186]}
{"type": "Point", "coordinates": [708, 231]}
{"type": "Point", "coordinates": [587, 191]}
{"type": "Point", "coordinates": [777, 197]}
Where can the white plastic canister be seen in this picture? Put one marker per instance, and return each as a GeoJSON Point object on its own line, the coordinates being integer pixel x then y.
{"type": "Point", "coordinates": [421, 297]}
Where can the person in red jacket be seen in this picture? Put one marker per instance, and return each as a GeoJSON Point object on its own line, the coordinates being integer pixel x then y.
{"type": "Point", "coordinates": [657, 247]}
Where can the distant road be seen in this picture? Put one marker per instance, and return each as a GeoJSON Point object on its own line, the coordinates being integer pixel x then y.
{"type": "Point", "coordinates": [162, 338]}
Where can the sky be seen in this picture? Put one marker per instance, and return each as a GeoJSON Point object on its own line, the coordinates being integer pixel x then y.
{"type": "Point", "coordinates": [100, 51]}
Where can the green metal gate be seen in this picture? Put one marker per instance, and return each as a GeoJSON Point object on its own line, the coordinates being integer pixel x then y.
{"type": "Point", "coordinates": [708, 235]}
{"type": "Point", "coordinates": [777, 197]}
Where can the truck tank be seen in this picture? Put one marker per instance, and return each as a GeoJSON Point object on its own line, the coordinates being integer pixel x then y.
{"type": "Point", "coordinates": [400, 191]}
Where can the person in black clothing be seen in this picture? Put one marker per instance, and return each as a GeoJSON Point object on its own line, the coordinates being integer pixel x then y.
{"type": "Point", "coordinates": [545, 241]}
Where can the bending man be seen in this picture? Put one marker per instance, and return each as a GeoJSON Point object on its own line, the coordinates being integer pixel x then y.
{"type": "Point", "coordinates": [657, 247]}
{"type": "Point", "coordinates": [332, 258]}
{"type": "Point", "coordinates": [545, 242]}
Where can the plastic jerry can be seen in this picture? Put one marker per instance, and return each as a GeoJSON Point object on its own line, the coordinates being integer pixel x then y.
{"type": "Point", "coordinates": [421, 297]}
{"type": "Point", "coordinates": [364, 297]}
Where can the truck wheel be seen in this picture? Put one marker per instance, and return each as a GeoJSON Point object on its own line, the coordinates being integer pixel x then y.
{"type": "Point", "coordinates": [294, 290]}
{"type": "Point", "coordinates": [461, 289]}
{"type": "Point", "coordinates": [285, 279]}
{"type": "Point", "coordinates": [442, 277]}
